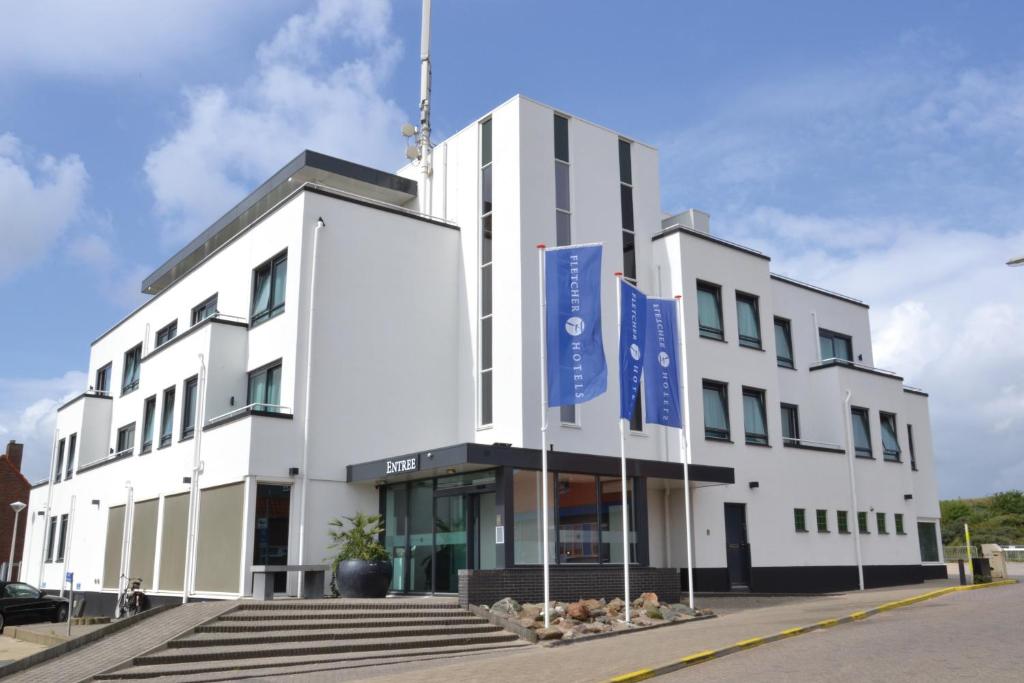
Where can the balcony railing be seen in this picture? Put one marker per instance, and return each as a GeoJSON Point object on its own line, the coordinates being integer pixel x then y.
{"type": "Point", "coordinates": [813, 445]}
{"type": "Point", "coordinates": [864, 367]}
{"type": "Point", "coordinates": [252, 408]}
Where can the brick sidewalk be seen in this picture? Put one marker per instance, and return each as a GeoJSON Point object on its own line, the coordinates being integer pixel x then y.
{"type": "Point", "coordinates": [83, 663]}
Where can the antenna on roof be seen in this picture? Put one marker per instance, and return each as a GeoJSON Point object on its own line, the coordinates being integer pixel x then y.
{"type": "Point", "coordinates": [422, 151]}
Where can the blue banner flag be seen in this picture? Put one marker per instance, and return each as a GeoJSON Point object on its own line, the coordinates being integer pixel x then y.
{"type": "Point", "coordinates": [632, 330]}
{"type": "Point", "coordinates": [661, 365]}
{"type": "Point", "coordinates": [577, 371]}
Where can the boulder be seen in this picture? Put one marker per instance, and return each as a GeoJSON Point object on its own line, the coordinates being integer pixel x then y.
{"type": "Point", "coordinates": [578, 611]}
{"type": "Point", "coordinates": [649, 597]}
{"type": "Point", "coordinates": [653, 612]}
{"type": "Point", "coordinates": [550, 633]}
{"type": "Point", "coordinates": [532, 612]}
{"type": "Point", "coordinates": [616, 605]}
{"type": "Point", "coordinates": [593, 604]}
{"type": "Point", "coordinates": [506, 607]}
{"type": "Point", "coordinates": [526, 622]}
{"type": "Point", "coordinates": [597, 612]}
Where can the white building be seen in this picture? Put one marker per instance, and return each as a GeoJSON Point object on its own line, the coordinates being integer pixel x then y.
{"type": "Point", "coordinates": [421, 400]}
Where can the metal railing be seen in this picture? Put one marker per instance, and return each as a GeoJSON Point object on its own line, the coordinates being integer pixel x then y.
{"type": "Point", "coordinates": [826, 362]}
{"type": "Point", "coordinates": [251, 408]}
{"type": "Point", "coordinates": [952, 553]}
{"type": "Point", "coordinates": [815, 444]}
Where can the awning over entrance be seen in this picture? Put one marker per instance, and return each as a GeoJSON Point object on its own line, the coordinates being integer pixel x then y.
{"type": "Point", "coordinates": [466, 457]}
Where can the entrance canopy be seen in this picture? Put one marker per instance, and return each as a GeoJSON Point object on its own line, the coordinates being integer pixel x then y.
{"type": "Point", "coordinates": [467, 457]}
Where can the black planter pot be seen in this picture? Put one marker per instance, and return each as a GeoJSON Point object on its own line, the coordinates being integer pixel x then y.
{"type": "Point", "coordinates": [363, 578]}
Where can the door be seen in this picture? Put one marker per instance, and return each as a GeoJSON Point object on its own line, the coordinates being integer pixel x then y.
{"type": "Point", "coordinates": [270, 542]}
{"type": "Point", "coordinates": [737, 550]}
{"type": "Point", "coordinates": [450, 542]}
{"type": "Point", "coordinates": [483, 522]}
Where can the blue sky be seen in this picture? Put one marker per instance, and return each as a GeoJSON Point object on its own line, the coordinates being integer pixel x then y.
{"type": "Point", "coordinates": [875, 148]}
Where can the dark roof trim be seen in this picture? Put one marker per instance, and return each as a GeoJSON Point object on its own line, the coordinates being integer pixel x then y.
{"type": "Point", "coordinates": [915, 390]}
{"type": "Point", "coordinates": [704, 236]}
{"type": "Point", "coordinates": [197, 326]}
{"type": "Point", "coordinates": [85, 394]}
{"type": "Point", "coordinates": [438, 460]}
{"type": "Point", "coordinates": [106, 461]}
{"type": "Point", "coordinates": [38, 484]}
{"type": "Point", "coordinates": [819, 290]}
{"type": "Point", "coordinates": [839, 363]}
{"type": "Point", "coordinates": [397, 210]}
{"type": "Point", "coordinates": [250, 412]}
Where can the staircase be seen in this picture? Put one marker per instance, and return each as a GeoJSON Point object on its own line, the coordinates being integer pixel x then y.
{"type": "Point", "coordinates": [286, 637]}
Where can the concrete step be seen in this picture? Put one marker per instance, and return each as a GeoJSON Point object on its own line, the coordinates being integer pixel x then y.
{"type": "Point", "coordinates": [361, 614]}
{"type": "Point", "coordinates": [276, 624]}
{"type": "Point", "coordinates": [285, 666]}
{"type": "Point", "coordinates": [200, 640]}
{"type": "Point", "coordinates": [352, 604]}
{"type": "Point", "coordinates": [382, 645]}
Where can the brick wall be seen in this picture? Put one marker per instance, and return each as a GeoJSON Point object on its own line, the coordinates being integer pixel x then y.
{"type": "Point", "coordinates": [526, 584]}
{"type": "Point", "coordinates": [13, 486]}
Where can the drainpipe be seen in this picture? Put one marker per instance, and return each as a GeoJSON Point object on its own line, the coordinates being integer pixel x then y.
{"type": "Point", "coordinates": [304, 472]}
{"type": "Point", "coordinates": [46, 516]}
{"type": "Point", "coordinates": [848, 423]}
{"type": "Point", "coordinates": [126, 544]}
{"type": "Point", "coordinates": [193, 489]}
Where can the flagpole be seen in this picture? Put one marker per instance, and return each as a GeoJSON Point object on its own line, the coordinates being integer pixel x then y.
{"type": "Point", "coordinates": [544, 436]}
{"type": "Point", "coordinates": [684, 450]}
{"type": "Point", "coordinates": [622, 462]}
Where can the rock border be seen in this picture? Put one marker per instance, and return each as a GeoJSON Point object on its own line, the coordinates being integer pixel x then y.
{"type": "Point", "coordinates": [505, 623]}
{"type": "Point", "coordinates": [639, 629]}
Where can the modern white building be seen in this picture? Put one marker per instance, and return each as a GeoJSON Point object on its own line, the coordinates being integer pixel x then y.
{"type": "Point", "coordinates": [347, 339]}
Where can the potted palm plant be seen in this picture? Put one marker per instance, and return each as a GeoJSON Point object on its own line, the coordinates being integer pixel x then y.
{"type": "Point", "coordinates": [362, 568]}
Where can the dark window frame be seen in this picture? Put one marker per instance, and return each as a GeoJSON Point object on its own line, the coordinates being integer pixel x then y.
{"type": "Point", "coordinates": [716, 291]}
{"type": "Point", "coordinates": [832, 336]}
{"type": "Point", "coordinates": [897, 521]}
{"type": "Point", "coordinates": [127, 386]}
{"type": "Point", "coordinates": [263, 370]}
{"type": "Point", "coordinates": [714, 433]}
{"type": "Point", "coordinates": [880, 523]}
{"type": "Point", "coordinates": [888, 453]}
{"type": "Point", "coordinates": [751, 438]}
{"type": "Point", "coordinates": [205, 309]}
{"type": "Point", "coordinates": [747, 341]}
{"type": "Point", "coordinates": [272, 310]}
{"type": "Point", "coordinates": [842, 521]}
{"type": "Point", "coordinates": [166, 333]}
{"type": "Point", "coordinates": [910, 445]}
{"type": "Point", "coordinates": [118, 450]}
{"type": "Point", "coordinates": [148, 424]}
{"type": "Point", "coordinates": [62, 538]}
{"type": "Point", "coordinates": [627, 210]}
{"type": "Point", "coordinates": [794, 424]}
{"type": "Point", "coordinates": [862, 523]}
{"type": "Point", "coordinates": [51, 537]}
{"type": "Point", "coordinates": [821, 520]}
{"type": "Point", "coordinates": [485, 304]}
{"type": "Point", "coordinates": [800, 520]}
{"type": "Point", "coordinates": [189, 412]}
{"type": "Point", "coordinates": [787, 332]}
{"type": "Point", "coordinates": [103, 374]}
{"type": "Point", "coordinates": [69, 466]}
{"type": "Point", "coordinates": [859, 451]}
{"type": "Point", "coordinates": [58, 471]}
{"type": "Point", "coordinates": [167, 437]}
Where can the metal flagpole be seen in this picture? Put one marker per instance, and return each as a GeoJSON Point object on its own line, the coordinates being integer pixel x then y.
{"type": "Point", "coordinates": [544, 436]}
{"type": "Point", "coordinates": [684, 450]}
{"type": "Point", "coordinates": [622, 461]}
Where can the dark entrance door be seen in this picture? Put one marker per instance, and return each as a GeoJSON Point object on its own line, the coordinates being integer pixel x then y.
{"type": "Point", "coordinates": [737, 550]}
{"type": "Point", "coordinates": [270, 545]}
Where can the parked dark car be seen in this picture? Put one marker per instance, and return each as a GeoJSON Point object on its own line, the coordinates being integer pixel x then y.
{"type": "Point", "coordinates": [21, 603]}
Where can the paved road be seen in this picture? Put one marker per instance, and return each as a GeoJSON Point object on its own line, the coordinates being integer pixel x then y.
{"type": "Point", "coordinates": [976, 635]}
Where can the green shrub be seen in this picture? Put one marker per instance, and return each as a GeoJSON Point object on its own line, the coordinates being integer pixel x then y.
{"type": "Point", "coordinates": [358, 541]}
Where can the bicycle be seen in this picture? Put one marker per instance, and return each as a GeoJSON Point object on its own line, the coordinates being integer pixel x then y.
{"type": "Point", "coordinates": [131, 601]}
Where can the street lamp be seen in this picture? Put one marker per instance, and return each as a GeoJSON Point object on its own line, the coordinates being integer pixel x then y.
{"type": "Point", "coordinates": [17, 506]}
{"type": "Point", "coordinates": [1019, 261]}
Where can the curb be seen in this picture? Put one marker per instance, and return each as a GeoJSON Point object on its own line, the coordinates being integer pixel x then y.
{"type": "Point", "coordinates": [707, 655]}
{"type": "Point", "coordinates": [27, 636]}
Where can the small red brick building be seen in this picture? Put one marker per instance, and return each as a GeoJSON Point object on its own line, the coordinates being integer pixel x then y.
{"type": "Point", "coordinates": [13, 487]}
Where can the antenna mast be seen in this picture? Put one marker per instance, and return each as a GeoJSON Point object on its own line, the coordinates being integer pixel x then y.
{"type": "Point", "coordinates": [425, 147]}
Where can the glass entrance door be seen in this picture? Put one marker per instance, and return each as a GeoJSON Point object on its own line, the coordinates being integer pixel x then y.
{"type": "Point", "coordinates": [450, 544]}
{"type": "Point", "coordinates": [270, 542]}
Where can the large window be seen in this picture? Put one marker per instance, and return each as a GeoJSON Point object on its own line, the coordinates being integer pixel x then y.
{"type": "Point", "coordinates": [716, 411]}
{"type": "Point", "coordinates": [125, 439]}
{"type": "Point", "coordinates": [890, 444]}
{"type": "Point", "coordinates": [58, 471]}
{"type": "Point", "coordinates": [268, 286]}
{"type": "Point", "coordinates": [755, 425]}
{"type": "Point", "coordinates": [563, 214]}
{"type": "Point", "coordinates": [927, 540]}
{"type": "Point", "coordinates": [148, 424]}
{"type": "Point", "coordinates": [205, 310]}
{"type": "Point", "coordinates": [167, 418]}
{"type": "Point", "coordinates": [861, 432]}
{"type": "Point", "coordinates": [69, 469]}
{"type": "Point", "coordinates": [486, 341]}
{"type": "Point", "coordinates": [62, 541]}
{"type": "Point", "coordinates": [579, 538]}
{"type": "Point", "coordinates": [790, 423]}
{"type": "Point", "coordinates": [748, 320]}
{"type": "Point", "coordinates": [103, 379]}
{"type": "Point", "coordinates": [626, 202]}
{"type": "Point", "coordinates": [528, 520]}
{"type": "Point", "coordinates": [132, 366]}
{"type": "Point", "coordinates": [51, 538]}
{"type": "Point", "coordinates": [265, 388]}
{"type": "Point", "coordinates": [166, 333]}
{"type": "Point", "coordinates": [783, 343]}
{"type": "Point", "coordinates": [910, 445]}
{"type": "Point", "coordinates": [709, 310]}
{"type": "Point", "coordinates": [189, 399]}
{"type": "Point", "coordinates": [835, 345]}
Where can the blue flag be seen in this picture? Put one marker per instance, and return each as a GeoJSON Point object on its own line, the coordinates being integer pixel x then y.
{"type": "Point", "coordinates": [577, 371]}
{"type": "Point", "coordinates": [661, 365]}
{"type": "Point", "coordinates": [632, 330]}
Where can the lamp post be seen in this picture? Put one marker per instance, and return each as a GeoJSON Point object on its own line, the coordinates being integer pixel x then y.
{"type": "Point", "coordinates": [1019, 261]}
{"type": "Point", "coordinates": [17, 506]}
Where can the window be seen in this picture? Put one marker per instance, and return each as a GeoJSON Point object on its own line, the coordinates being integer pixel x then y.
{"type": "Point", "coordinates": [166, 333]}
{"type": "Point", "coordinates": [835, 345]}
{"type": "Point", "coordinates": [69, 469]}
{"type": "Point", "coordinates": [716, 411]}
{"type": "Point", "coordinates": [748, 320]}
{"type": "Point", "coordinates": [910, 444]}
{"type": "Point", "coordinates": [486, 329]}
{"type": "Point", "coordinates": [103, 379]}
{"type": "Point", "coordinates": [63, 538]}
{"type": "Point", "coordinates": [59, 470]}
{"type": "Point", "coordinates": [842, 522]}
{"type": "Point", "coordinates": [890, 444]}
{"type": "Point", "coordinates": [189, 398]}
{"type": "Point", "coordinates": [861, 432]}
{"type": "Point", "coordinates": [709, 311]}
{"type": "Point", "coordinates": [563, 215]}
{"type": "Point", "coordinates": [897, 519]}
{"type": "Point", "coordinates": [790, 423]}
{"type": "Point", "coordinates": [754, 424]}
{"type": "Point", "coordinates": [783, 343]}
{"type": "Point", "coordinates": [862, 522]}
{"type": "Point", "coordinates": [626, 202]}
{"type": "Point", "coordinates": [51, 538]}
{"type": "Point", "coordinates": [636, 421]}
{"type": "Point", "coordinates": [148, 424]}
{"type": "Point", "coordinates": [205, 310]}
{"type": "Point", "coordinates": [880, 520]}
{"type": "Point", "coordinates": [20, 590]}
{"type": "Point", "coordinates": [125, 440]}
{"type": "Point", "coordinates": [167, 418]}
{"type": "Point", "coordinates": [132, 365]}
{"type": "Point", "coordinates": [799, 519]}
{"type": "Point", "coordinates": [265, 388]}
{"type": "Point", "coordinates": [268, 287]}
{"type": "Point", "coordinates": [926, 538]}
{"type": "Point", "coordinates": [822, 519]}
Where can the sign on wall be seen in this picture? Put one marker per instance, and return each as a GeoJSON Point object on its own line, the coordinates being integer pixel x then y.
{"type": "Point", "coordinates": [401, 465]}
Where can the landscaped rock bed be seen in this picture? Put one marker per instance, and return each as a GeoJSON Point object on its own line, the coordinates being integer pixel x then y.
{"type": "Point", "coordinates": [572, 620]}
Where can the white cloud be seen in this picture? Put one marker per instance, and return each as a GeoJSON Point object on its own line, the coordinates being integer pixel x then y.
{"type": "Point", "coordinates": [28, 413]}
{"type": "Point", "coordinates": [233, 138]}
{"type": "Point", "coordinates": [39, 199]}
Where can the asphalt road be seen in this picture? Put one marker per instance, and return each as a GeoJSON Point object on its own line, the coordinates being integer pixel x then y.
{"type": "Point", "coordinates": [974, 635]}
